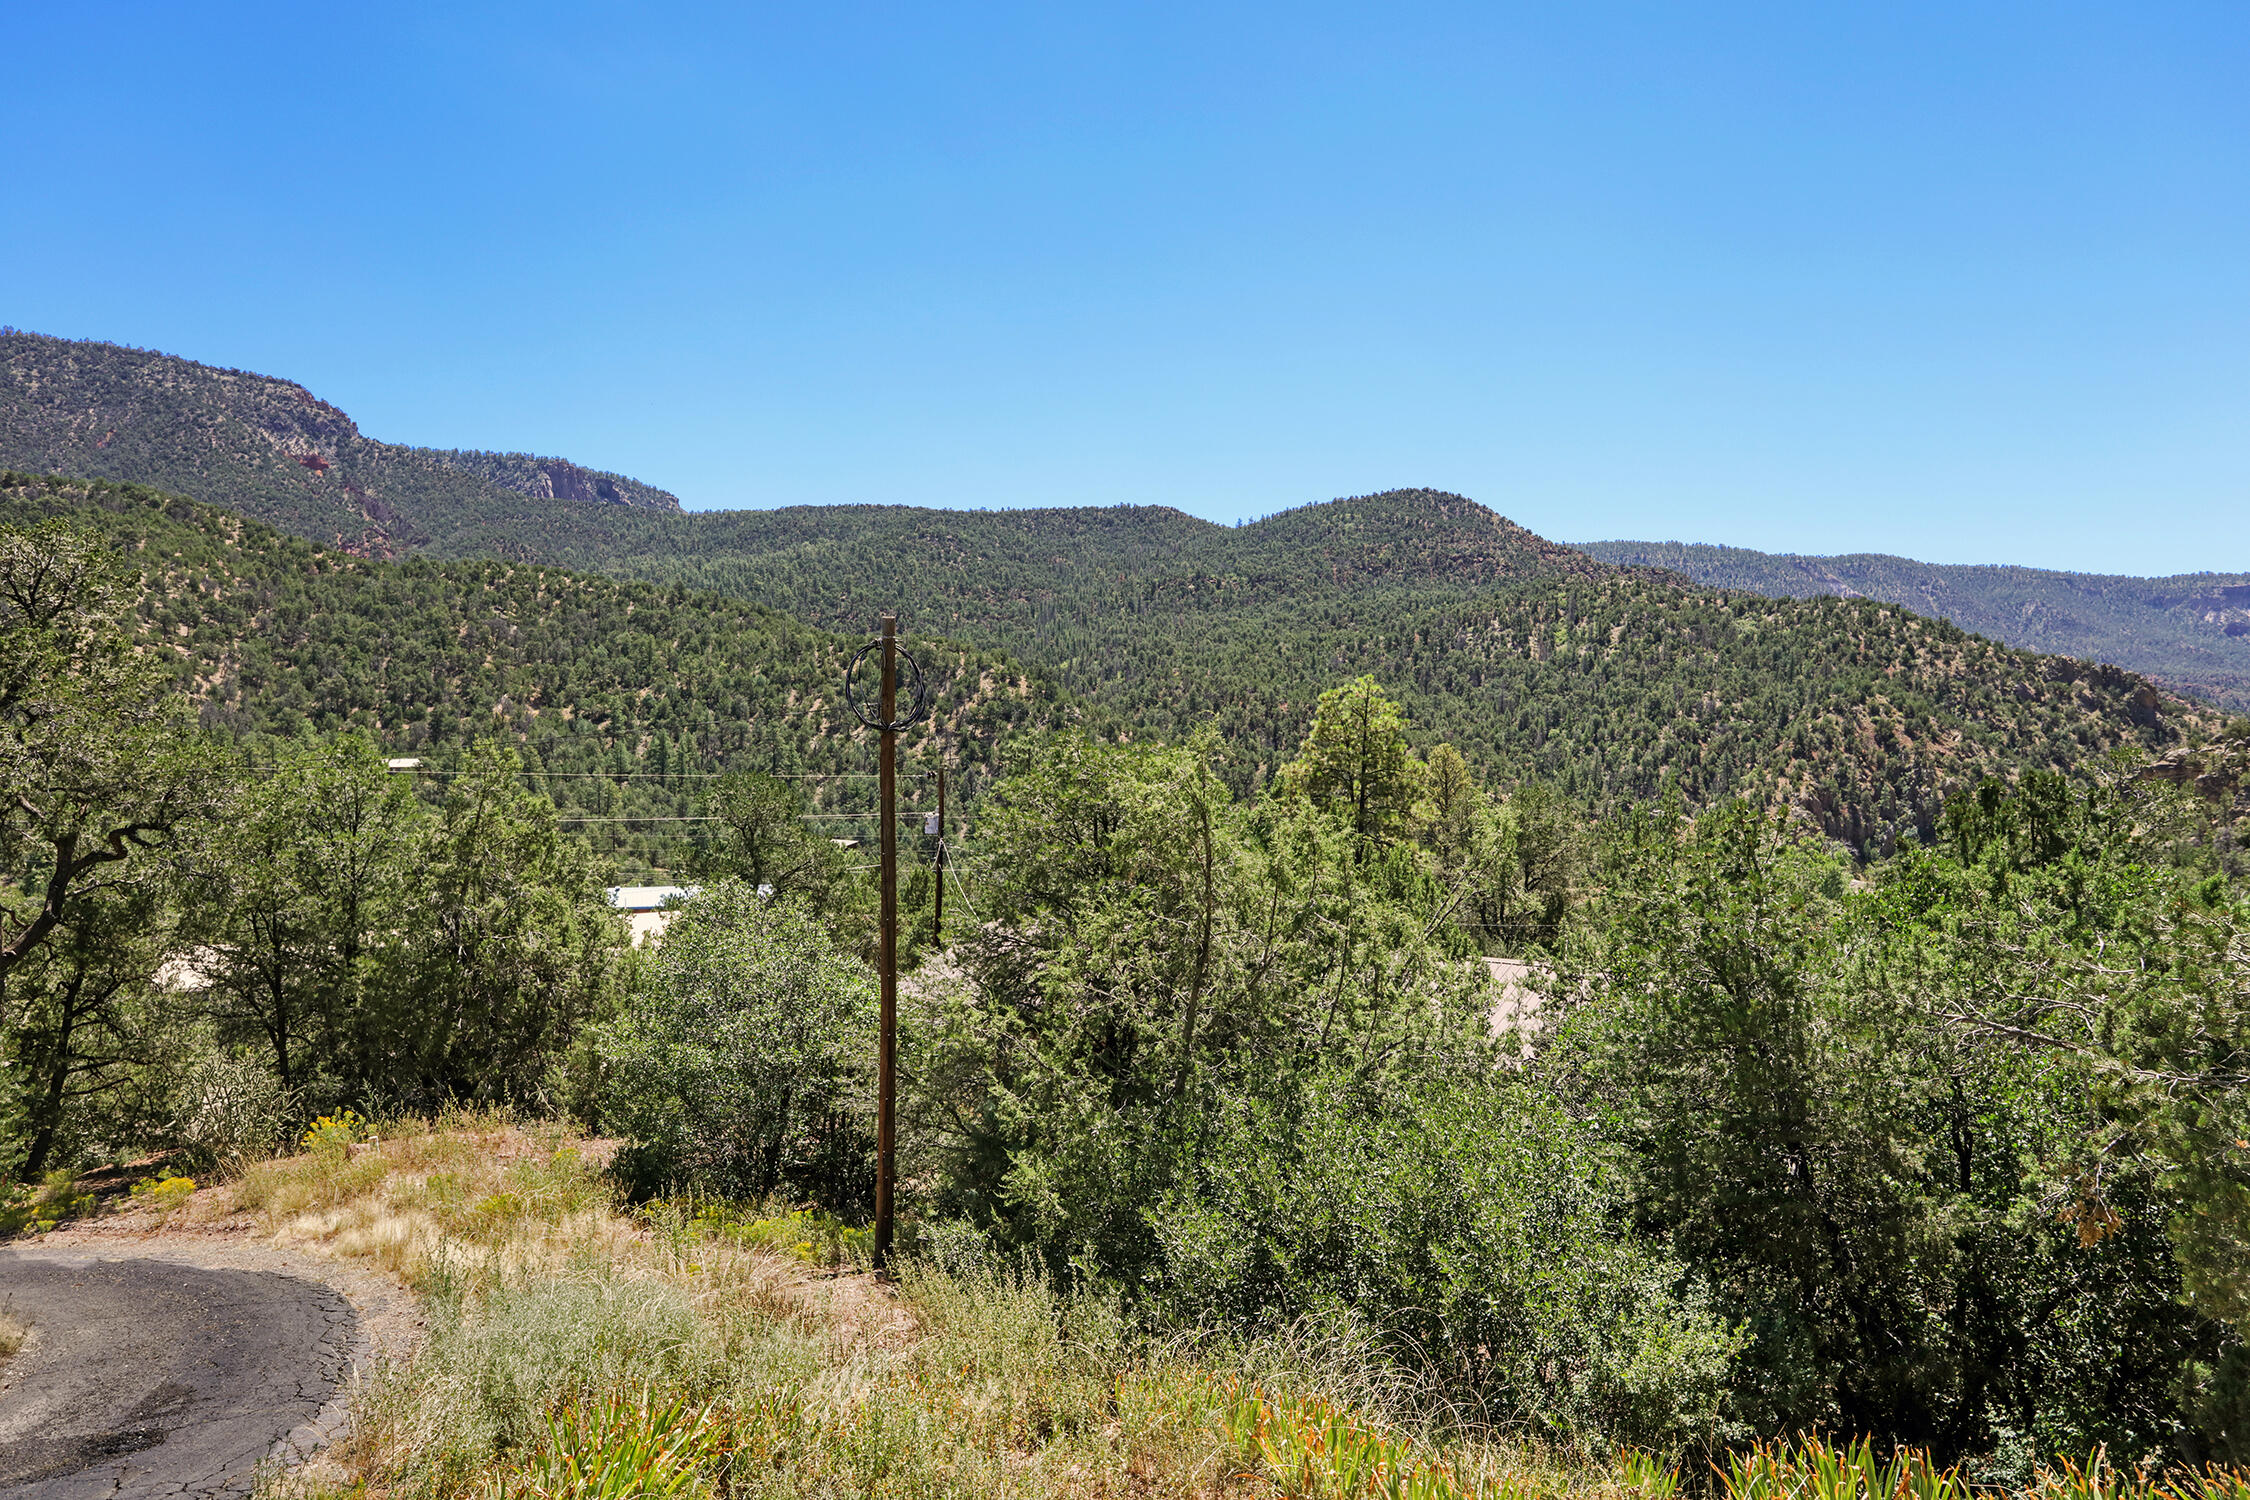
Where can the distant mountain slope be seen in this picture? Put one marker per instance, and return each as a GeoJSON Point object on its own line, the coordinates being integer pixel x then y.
{"type": "Point", "coordinates": [1040, 578]}
{"type": "Point", "coordinates": [1615, 684]}
{"type": "Point", "coordinates": [268, 448]}
{"type": "Point", "coordinates": [1860, 716]}
{"type": "Point", "coordinates": [584, 673]}
{"type": "Point", "coordinates": [1535, 658]}
{"type": "Point", "coordinates": [2191, 630]}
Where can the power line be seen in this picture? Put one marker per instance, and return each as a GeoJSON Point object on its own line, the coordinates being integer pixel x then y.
{"type": "Point", "coordinates": [861, 817]}
{"type": "Point", "coordinates": [640, 818]}
{"type": "Point", "coordinates": [679, 775]}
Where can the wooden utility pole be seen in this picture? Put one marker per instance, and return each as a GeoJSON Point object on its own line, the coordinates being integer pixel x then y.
{"type": "Point", "coordinates": [937, 919]}
{"type": "Point", "coordinates": [886, 1066]}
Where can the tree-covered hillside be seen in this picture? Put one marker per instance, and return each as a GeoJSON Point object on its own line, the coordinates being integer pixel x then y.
{"type": "Point", "coordinates": [1537, 661]}
{"type": "Point", "coordinates": [268, 448]}
{"type": "Point", "coordinates": [1614, 685]}
{"type": "Point", "coordinates": [2191, 631]}
{"type": "Point", "coordinates": [621, 695]}
{"type": "Point", "coordinates": [1109, 599]}
{"type": "Point", "coordinates": [1943, 1147]}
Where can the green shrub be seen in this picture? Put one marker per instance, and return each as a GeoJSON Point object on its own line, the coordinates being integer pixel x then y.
{"type": "Point", "coordinates": [503, 1353]}
{"type": "Point", "coordinates": [737, 1066]}
{"type": "Point", "coordinates": [55, 1199]}
{"type": "Point", "coordinates": [1472, 1225]}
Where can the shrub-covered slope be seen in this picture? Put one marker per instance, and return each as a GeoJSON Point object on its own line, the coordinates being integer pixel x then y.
{"type": "Point", "coordinates": [1862, 716]}
{"type": "Point", "coordinates": [1615, 684]}
{"type": "Point", "coordinates": [1536, 660]}
{"type": "Point", "coordinates": [2191, 630]}
{"type": "Point", "coordinates": [585, 674]}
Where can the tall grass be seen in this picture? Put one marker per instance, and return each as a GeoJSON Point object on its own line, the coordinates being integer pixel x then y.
{"type": "Point", "coordinates": [1816, 1469]}
{"type": "Point", "coordinates": [690, 1350]}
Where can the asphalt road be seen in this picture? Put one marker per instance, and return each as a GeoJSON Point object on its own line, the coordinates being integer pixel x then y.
{"type": "Point", "coordinates": [151, 1378]}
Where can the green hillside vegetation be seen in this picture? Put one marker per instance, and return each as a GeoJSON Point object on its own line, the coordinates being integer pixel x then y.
{"type": "Point", "coordinates": [2190, 631]}
{"type": "Point", "coordinates": [1613, 685]}
{"type": "Point", "coordinates": [622, 696]}
{"type": "Point", "coordinates": [268, 448]}
{"type": "Point", "coordinates": [1037, 583]}
{"type": "Point", "coordinates": [1943, 1145]}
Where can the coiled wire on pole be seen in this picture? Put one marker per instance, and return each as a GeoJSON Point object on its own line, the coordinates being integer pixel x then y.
{"type": "Point", "coordinates": [920, 689]}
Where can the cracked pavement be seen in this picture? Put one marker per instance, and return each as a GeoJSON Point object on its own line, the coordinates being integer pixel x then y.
{"type": "Point", "coordinates": [151, 1377]}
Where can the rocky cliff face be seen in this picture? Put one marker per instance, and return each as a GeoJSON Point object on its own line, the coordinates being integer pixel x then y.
{"type": "Point", "coordinates": [556, 479]}
{"type": "Point", "coordinates": [261, 445]}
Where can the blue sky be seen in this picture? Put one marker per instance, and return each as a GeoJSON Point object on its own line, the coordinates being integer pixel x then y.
{"type": "Point", "coordinates": [1966, 282]}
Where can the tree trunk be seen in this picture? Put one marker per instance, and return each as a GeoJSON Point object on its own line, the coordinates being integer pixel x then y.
{"type": "Point", "coordinates": [770, 1175]}
{"type": "Point", "coordinates": [47, 1112]}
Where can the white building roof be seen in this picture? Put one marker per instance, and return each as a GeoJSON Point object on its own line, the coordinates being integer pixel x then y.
{"type": "Point", "coordinates": [647, 897]}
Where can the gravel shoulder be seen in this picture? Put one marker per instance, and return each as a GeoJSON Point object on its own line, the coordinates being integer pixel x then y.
{"type": "Point", "coordinates": [175, 1361]}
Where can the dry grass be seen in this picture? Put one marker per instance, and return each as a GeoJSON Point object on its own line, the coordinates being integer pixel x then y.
{"type": "Point", "coordinates": [530, 1198]}
{"type": "Point", "coordinates": [13, 1336]}
{"type": "Point", "coordinates": [565, 1333]}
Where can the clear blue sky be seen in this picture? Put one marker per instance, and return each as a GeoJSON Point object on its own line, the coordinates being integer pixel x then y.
{"type": "Point", "coordinates": [1967, 282]}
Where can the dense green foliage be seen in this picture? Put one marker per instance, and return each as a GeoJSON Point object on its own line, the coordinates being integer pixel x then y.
{"type": "Point", "coordinates": [95, 757]}
{"type": "Point", "coordinates": [176, 912]}
{"type": "Point", "coordinates": [1838, 1098]}
{"type": "Point", "coordinates": [2191, 630]}
{"type": "Point", "coordinates": [1871, 1186]}
{"type": "Point", "coordinates": [1236, 1056]}
{"type": "Point", "coordinates": [738, 1064]}
{"type": "Point", "coordinates": [1613, 686]}
{"type": "Point", "coordinates": [372, 946]}
{"type": "Point", "coordinates": [1944, 1149]}
{"type": "Point", "coordinates": [623, 699]}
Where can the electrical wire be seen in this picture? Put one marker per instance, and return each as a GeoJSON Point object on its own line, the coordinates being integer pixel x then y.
{"type": "Point", "coordinates": [677, 775]}
{"type": "Point", "coordinates": [865, 817]}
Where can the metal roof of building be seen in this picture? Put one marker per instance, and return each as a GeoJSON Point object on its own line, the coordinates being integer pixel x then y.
{"type": "Point", "coordinates": [647, 897]}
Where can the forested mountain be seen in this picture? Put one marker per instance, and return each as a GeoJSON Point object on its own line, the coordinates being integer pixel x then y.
{"type": "Point", "coordinates": [1104, 597]}
{"type": "Point", "coordinates": [619, 695]}
{"type": "Point", "coordinates": [2191, 630]}
{"type": "Point", "coordinates": [1614, 685]}
{"type": "Point", "coordinates": [268, 448]}
{"type": "Point", "coordinates": [1534, 659]}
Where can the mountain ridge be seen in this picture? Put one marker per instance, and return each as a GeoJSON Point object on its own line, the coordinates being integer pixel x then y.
{"type": "Point", "coordinates": [2190, 631]}
{"type": "Point", "coordinates": [1614, 685]}
{"type": "Point", "coordinates": [1617, 681]}
{"type": "Point", "coordinates": [260, 444]}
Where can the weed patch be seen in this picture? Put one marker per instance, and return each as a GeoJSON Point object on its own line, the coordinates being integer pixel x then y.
{"type": "Point", "coordinates": [56, 1199]}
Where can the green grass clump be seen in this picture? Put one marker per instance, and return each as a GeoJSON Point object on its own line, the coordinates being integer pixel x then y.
{"type": "Point", "coordinates": [55, 1200]}
{"type": "Point", "coordinates": [811, 1235]}
{"type": "Point", "coordinates": [508, 1353]}
{"type": "Point", "coordinates": [622, 1448]}
{"type": "Point", "coordinates": [1816, 1469]}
